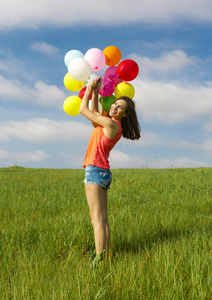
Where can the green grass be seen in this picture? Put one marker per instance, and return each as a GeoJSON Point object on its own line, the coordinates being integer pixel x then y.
{"type": "Point", "coordinates": [161, 235]}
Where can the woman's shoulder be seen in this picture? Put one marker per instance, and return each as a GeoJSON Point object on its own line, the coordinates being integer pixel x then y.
{"type": "Point", "coordinates": [112, 131]}
{"type": "Point", "coordinates": [117, 124]}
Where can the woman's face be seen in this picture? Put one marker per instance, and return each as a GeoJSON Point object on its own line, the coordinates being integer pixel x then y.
{"type": "Point", "coordinates": [118, 109]}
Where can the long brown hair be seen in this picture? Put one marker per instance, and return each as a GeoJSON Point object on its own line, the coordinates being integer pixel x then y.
{"type": "Point", "coordinates": [130, 125]}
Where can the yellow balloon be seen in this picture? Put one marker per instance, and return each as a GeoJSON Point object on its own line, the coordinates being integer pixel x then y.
{"type": "Point", "coordinates": [124, 89]}
{"type": "Point", "coordinates": [72, 105]}
{"type": "Point", "coordinates": [71, 84]}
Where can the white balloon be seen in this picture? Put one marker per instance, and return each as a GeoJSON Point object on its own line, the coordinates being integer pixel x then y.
{"type": "Point", "coordinates": [71, 55]}
{"type": "Point", "coordinates": [79, 69]}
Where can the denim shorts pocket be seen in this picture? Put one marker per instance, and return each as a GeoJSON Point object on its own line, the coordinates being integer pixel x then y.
{"type": "Point", "coordinates": [105, 178]}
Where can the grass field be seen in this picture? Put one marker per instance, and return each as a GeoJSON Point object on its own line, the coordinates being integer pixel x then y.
{"type": "Point", "coordinates": [161, 235]}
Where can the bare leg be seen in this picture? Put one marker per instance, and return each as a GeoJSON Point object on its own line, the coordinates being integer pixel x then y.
{"type": "Point", "coordinates": [97, 202]}
{"type": "Point", "coordinates": [106, 224]}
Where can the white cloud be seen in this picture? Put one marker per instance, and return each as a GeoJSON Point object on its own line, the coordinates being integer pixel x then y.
{"type": "Point", "coordinates": [48, 95]}
{"type": "Point", "coordinates": [42, 94]}
{"type": "Point", "coordinates": [206, 146]}
{"type": "Point", "coordinates": [73, 155]}
{"type": "Point", "coordinates": [11, 65]}
{"type": "Point", "coordinates": [207, 127]}
{"type": "Point", "coordinates": [176, 163]}
{"type": "Point", "coordinates": [44, 48]}
{"type": "Point", "coordinates": [29, 14]}
{"type": "Point", "coordinates": [170, 103]}
{"type": "Point", "coordinates": [134, 158]}
{"type": "Point", "coordinates": [149, 138]}
{"type": "Point", "coordinates": [44, 130]}
{"type": "Point", "coordinates": [168, 62]}
{"type": "Point", "coordinates": [11, 158]}
{"type": "Point", "coordinates": [119, 159]}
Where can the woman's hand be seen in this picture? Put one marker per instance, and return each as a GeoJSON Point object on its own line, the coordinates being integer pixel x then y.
{"type": "Point", "coordinates": [92, 87]}
{"type": "Point", "coordinates": [94, 84]}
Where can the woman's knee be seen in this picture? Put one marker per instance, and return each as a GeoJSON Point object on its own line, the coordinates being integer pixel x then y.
{"type": "Point", "coordinates": [98, 216]}
{"type": "Point", "coordinates": [99, 222]}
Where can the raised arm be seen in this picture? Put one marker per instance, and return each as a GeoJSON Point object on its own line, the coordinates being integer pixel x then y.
{"type": "Point", "coordinates": [94, 86]}
{"type": "Point", "coordinates": [94, 100]}
{"type": "Point", "coordinates": [93, 115]}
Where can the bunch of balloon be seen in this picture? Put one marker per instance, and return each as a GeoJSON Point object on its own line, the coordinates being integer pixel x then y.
{"type": "Point", "coordinates": [115, 79]}
{"type": "Point", "coordinates": [80, 68]}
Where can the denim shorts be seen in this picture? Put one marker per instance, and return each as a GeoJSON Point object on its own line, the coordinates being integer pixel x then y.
{"type": "Point", "coordinates": [98, 176]}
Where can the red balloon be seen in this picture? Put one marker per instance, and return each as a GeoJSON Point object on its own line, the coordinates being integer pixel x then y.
{"type": "Point", "coordinates": [82, 92]}
{"type": "Point", "coordinates": [127, 70]}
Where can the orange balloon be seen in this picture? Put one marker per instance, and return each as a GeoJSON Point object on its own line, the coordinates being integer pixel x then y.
{"type": "Point", "coordinates": [112, 55]}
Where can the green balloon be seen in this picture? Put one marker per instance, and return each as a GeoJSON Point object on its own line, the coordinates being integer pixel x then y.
{"type": "Point", "coordinates": [106, 102]}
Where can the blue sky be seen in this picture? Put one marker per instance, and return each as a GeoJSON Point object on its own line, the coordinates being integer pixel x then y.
{"type": "Point", "coordinates": [171, 42]}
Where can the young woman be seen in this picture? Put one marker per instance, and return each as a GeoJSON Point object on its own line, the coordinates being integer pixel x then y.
{"type": "Point", "coordinates": [120, 120]}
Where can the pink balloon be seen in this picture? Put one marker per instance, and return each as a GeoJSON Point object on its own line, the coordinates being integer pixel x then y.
{"type": "Point", "coordinates": [107, 88]}
{"type": "Point", "coordinates": [96, 58]}
{"type": "Point", "coordinates": [111, 74]}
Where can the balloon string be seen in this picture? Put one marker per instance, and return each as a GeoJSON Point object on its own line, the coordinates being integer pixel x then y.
{"type": "Point", "coordinates": [109, 80]}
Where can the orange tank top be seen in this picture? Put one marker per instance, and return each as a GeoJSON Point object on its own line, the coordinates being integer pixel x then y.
{"type": "Point", "coordinates": [99, 148]}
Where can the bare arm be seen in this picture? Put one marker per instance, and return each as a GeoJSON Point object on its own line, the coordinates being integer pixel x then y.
{"type": "Point", "coordinates": [92, 86]}
{"type": "Point", "coordinates": [94, 101]}
{"type": "Point", "coordinates": [93, 114]}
